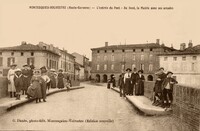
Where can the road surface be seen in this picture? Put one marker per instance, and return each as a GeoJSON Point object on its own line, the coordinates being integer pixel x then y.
{"type": "Point", "coordinates": [90, 108]}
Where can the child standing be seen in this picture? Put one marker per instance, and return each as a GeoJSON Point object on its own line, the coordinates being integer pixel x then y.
{"type": "Point", "coordinates": [18, 81]}
{"type": "Point", "coordinates": [167, 89]}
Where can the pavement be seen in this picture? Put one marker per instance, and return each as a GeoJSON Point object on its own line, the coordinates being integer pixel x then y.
{"type": "Point", "coordinates": [8, 103]}
{"type": "Point", "coordinates": [145, 105]}
{"type": "Point", "coordinates": [93, 108]}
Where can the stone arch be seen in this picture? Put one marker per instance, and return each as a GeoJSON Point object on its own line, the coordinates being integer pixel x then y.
{"type": "Point", "coordinates": [98, 78]}
{"type": "Point", "coordinates": [105, 78]}
{"type": "Point", "coordinates": [150, 78]}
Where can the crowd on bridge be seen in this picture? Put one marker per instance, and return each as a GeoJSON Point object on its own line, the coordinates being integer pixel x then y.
{"type": "Point", "coordinates": [34, 83]}
{"type": "Point", "coordinates": [132, 83]}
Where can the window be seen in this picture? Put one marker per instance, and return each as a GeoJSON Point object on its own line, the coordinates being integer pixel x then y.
{"type": "Point", "coordinates": [123, 58]}
{"type": "Point", "coordinates": [142, 67]}
{"type": "Point", "coordinates": [123, 50]}
{"type": "Point", "coordinates": [184, 67]}
{"type": "Point", "coordinates": [194, 57]}
{"type": "Point", "coordinates": [165, 58]}
{"type": "Point", "coordinates": [105, 58]}
{"type": "Point", "coordinates": [151, 67]}
{"type": "Point", "coordinates": [113, 50]}
{"type": "Point", "coordinates": [112, 58]}
{"type": "Point", "coordinates": [98, 67]}
{"type": "Point", "coordinates": [1, 61]}
{"type": "Point", "coordinates": [123, 67]}
{"type": "Point", "coordinates": [32, 53]}
{"type": "Point", "coordinates": [105, 67]}
{"type": "Point", "coordinates": [12, 53]}
{"type": "Point", "coordinates": [105, 51]}
{"type": "Point", "coordinates": [175, 58]}
{"type": "Point", "coordinates": [193, 68]}
{"type": "Point", "coordinates": [142, 50]}
{"type": "Point", "coordinates": [184, 58]}
{"type": "Point", "coordinates": [133, 66]}
{"type": "Point", "coordinates": [151, 49]}
{"type": "Point", "coordinates": [30, 61]}
{"type": "Point", "coordinates": [133, 56]}
{"type": "Point", "coordinates": [150, 57]}
{"type": "Point", "coordinates": [48, 63]}
{"type": "Point", "coordinates": [10, 61]}
{"type": "Point", "coordinates": [112, 67]}
{"type": "Point", "coordinates": [98, 57]}
{"type": "Point", "coordinates": [133, 50]}
{"type": "Point", "coordinates": [22, 53]}
{"type": "Point", "coordinates": [97, 51]}
{"type": "Point", "coordinates": [142, 57]}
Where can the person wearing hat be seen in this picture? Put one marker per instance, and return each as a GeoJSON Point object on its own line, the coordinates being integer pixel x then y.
{"type": "Point", "coordinates": [18, 81]}
{"type": "Point", "coordinates": [157, 97]}
{"type": "Point", "coordinates": [127, 81]}
{"type": "Point", "coordinates": [53, 77]}
{"type": "Point", "coordinates": [139, 90]}
{"type": "Point", "coordinates": [167, 88]}
{"type": "Point", "coordinates": [27, 78]}
{"type": "Point", "coordinates": [34, 90]}
{"type": "Point", "coordinates": [60, 78]}
{"type": "Point", "coordinates": [134, 78]}
{"type": "Point", "coordinates": [10, 77]}
{"type": "Point", "coordinates": [46, 82]}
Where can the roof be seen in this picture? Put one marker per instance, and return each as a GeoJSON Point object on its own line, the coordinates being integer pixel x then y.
{"type": "Point", "coordinates": [26, 47]}
{"type": "Point", "coordinates": [67, 53]}
{"type": "Point", "coordinates": [146, 45]}
{"type": "Point", "coordinates": [187, 51]}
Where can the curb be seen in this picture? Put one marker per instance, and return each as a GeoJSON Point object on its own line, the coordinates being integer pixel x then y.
{"type": "Point", "coordinates": [144, 108]}
{"type": "Point", "coordinates": [11, 105]}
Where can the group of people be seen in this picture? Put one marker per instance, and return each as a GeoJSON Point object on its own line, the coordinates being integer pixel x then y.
{"type": "Point", "coordinates": [163, 89]}
{"type": "Point", "coordinates": [131, 83]}
{"type": "Point", "coordinates": [34, 82]}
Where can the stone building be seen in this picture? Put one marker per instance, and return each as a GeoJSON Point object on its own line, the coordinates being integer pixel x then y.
{"type": "Point", "coordinates": [84, 65]}
{"type": "Point", "coordinates": [67, 63]}
{"type": "Point", "coordinates": [184, 64]}
{"type": "Point", "coordinates": [114, 59]}
{"type": "Point", "coordinates": [30, 54]}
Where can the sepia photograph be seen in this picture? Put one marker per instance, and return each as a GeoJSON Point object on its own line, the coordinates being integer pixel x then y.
{"type": "Point", "coordinates": [100, 65]}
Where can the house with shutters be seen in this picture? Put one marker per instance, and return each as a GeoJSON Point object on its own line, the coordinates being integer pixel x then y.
{"type": "Point", "coordinates": [26, 53]}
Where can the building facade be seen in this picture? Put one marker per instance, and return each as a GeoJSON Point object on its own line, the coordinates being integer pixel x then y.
{"type": "Point", "coordinates": [67, 63]}
{"type": "Point", "coordinates": [184, 64]}
{"type": "Point", "coordinates": [84, 65]}
{"type": "Point", "coordinates": [114, 59]}
{"type": "Point", "coordinates": [27, 54]}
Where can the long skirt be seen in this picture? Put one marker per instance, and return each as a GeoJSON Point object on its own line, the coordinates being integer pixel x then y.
{"type": "Point", "coordinates": [127, 85]}
{"type": "Point", "coordinates": [60, 83]}
{"type": "Point", "coordinates": [53, 82]}
{"type": "Point", "coordinates": [11, 85]}
{"type": "Point", "coordinates": [26, 83]}
{"type": "Point", "coordinates": [35, 90]}
{"type": "Point", "coordinates": [43, 90]}
{"type": "Point", "coordinates": [139, 88]}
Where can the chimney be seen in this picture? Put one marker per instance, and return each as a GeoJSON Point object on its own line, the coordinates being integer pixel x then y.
{"type": "Point", "coordinates": [190, 44]}
{"type": "Point", "coordinates": [23, 43]}
{"type": "Point", "coordinates": [157, 41]}
{"type": "Point", "coordinates": [182, 46]}
{"type": "Point", "coordinates": [106, 44]}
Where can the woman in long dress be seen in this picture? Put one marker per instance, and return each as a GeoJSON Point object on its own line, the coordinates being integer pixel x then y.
{"type": "Point", "coordinates": [127, 81]}
{"type": "Point", "coordinates": [140, 84]}
{"type": "Point", "coordinates": [52, 76]}
{"type": "Point", "coordinates": [11, 85]}
{"type": "Point", "coordinates": [34, 89]}
{"type": "Point", "coordinates": [60, 78]}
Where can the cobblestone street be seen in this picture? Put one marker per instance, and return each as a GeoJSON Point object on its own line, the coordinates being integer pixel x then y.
{"type": "Point", "coordinates": [91, 108]}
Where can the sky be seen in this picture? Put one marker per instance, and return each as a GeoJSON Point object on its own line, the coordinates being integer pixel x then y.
{"type": "Point", "coordinates": [80, 30]}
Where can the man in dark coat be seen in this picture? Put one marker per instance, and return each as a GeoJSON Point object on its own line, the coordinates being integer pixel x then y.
{"type": "Point", "coordinates": [167, 88]}
{"type": "Point", "coordinates": [158, 98]}
{"type": "Point", "coordinates": [60, 78]}
{"type": "Point", "coordinates": [18, 81]}
{"type": "Point", "coordinates": [121, 85]}
{"type": "Point", "coordinates": [27, 74]}
{"type": "Point", "coordinates": [134, 78]}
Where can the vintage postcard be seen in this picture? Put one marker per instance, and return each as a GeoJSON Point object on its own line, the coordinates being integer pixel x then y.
{"type": "Point", "coordinates": [100, 65]}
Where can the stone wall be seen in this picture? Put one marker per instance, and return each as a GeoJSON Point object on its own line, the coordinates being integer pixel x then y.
{"type": "Point", "coordinates": [3, 87]}
{"type": "Point", "coordinates": [186, 105]}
